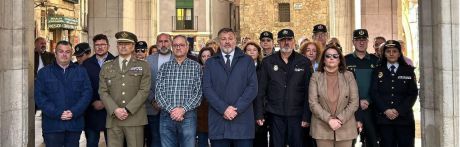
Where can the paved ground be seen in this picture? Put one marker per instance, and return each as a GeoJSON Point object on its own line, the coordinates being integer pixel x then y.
{"type": "Point", "coordinates": [39, 139]}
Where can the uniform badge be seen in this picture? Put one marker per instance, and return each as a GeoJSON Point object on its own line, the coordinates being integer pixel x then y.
{"type": "Point", "coordinates": [405, 77]}
{"type": "Point", "coordinates": [275, 67]}
{"type": "Point", "coordinates": [141, 43]}
{"type": "Point", "coordinates": [320, 27]}
{"type": "Point", "coordinates": [77, 49]}
{"type": "Point", "coordinates": [361, 32]}
{"type": "Point", "coordinates": [124, 34]}
{"type": "Point", "coordinates": [265, 34]}
{"type": "Point", "coordinates": [380, 75]}
{"type": "Point", "coordinates": [285, 32]}
{"type": "Point", "coordinates": [372, 66]}
{"type": "Point", "coordinates": [298, 69]}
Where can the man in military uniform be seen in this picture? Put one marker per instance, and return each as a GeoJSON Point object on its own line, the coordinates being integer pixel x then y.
{"type": "Point", "coordinates": [362, 64]}
{"type": "Point", "coordinates": [320, 34]}
{"type": "Point", "coordinates": [266, 42]}
{"type": "Point", "coordinates": [123, 87]}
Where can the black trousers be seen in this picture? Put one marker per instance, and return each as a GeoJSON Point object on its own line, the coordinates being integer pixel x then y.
{"type": "Point", "coordinates": [285, 130]}
{"type": "Point", "coordinates": [397, 135]}
{"type": "Point", "coordinates": [308, 141]}
{"type": "Point", "coordinates": [261, 138]}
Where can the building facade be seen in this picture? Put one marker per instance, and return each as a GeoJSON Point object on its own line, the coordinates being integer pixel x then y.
{"type": "Point", "coordinates": [57, 20]}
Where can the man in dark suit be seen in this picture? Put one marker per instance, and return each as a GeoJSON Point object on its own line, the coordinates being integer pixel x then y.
{"type": "Point", "coordinates": [42, 57]}
{"type": "Point", "coordinates": [95, 113]}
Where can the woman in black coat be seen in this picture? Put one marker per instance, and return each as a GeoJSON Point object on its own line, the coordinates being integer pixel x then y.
{"type": "Point", "coordinates": [394, 91]}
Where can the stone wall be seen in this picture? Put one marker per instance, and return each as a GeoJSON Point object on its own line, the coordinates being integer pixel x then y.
{"type": "Point", "coordinates": [262, 15]}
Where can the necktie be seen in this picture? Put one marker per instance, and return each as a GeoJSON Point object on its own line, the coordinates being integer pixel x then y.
{"type": "Point", "coordinates": [123, 66]}
{"type": "Point", "coordinates": [227, 62]}
{"type": "Point", "coordinates": [392, 70]}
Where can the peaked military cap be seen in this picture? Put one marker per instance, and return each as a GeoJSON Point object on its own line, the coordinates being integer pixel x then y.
{"type": "Point", "coordinates": [392, 43]}
{"type": "Point", "coordinates": [125, 36]}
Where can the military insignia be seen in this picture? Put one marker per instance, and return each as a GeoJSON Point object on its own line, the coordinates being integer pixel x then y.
{"type": "Point", "coordinates": [285, 32]}
{"type": "Point", "coordinates": [124, 34]}
{"type": "Point", "coordinates": [380, 75]}
{"type": "Point", "coordinates": [275, 67]}
{"type": "Point", "coordinates": [265, 34]}
{"type": "Point", "coordinates": [372, 66]}
{"type": "Point", "coordinates": [361, 32]}
{"type": "Point", "coordinates": [77, 49]}
{"type": "Point", "coordinates": [136, 68]}
{"type": "Point", "coordinates": [141, 43]}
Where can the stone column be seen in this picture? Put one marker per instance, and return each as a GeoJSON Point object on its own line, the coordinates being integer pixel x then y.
{"type": "Point", "coordinates": [145, 20]}
{"type": "Point", "coordinates": [341, 23]}
{"type": "Point", "coordinates": [16, 82]}
{"type": "Point", "coordinates": [439, 95]}
{"type": "Point", "coordinates": [110, 16]}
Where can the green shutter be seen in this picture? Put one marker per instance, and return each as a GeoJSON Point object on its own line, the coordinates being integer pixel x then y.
{"type": "Point", "coordinates": [184, 3]}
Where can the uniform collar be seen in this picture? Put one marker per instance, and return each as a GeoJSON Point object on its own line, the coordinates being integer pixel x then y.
{"type": "Point", "coordinates": [367, 56]}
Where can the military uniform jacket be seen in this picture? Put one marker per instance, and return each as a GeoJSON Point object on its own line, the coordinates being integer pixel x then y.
{"type": "Point", "coordinates": [128, 89]}
{"type": "Point", "coordinates": [394, 92]}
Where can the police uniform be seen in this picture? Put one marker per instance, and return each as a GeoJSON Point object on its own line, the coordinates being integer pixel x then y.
{"type": "Point", "coordinates": [126, 89]}
{"type": "Point", "coordinates": [362, 69]}
{"type": "Point", "coordinates": [397, 90]}
{"type": "Point", "coordinates": [283, 95]}
{"type": "Point", "coordinates": [267, 34]}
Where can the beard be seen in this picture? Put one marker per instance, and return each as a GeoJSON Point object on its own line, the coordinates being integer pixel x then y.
{"type": "Point", "coordinates": [286, 50]}
{"type": "Point", "coordinates": [227, 50]}
{"type": "Point", "coordinates": [164, 50]}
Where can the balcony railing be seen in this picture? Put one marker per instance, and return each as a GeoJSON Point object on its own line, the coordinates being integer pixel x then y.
{"type": "Point", "coordinates": [184, 23]}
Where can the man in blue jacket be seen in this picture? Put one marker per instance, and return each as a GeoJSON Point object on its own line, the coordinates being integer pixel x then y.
{"type": "Point", "coordinates": [230, 86]}
{"type": "Point", "coordinates": [95, 113]}
{"type": "Point", "coordinates": [62, 92]}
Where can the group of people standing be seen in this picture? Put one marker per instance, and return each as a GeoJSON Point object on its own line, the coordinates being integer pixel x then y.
{"type": "Point", "coordinates": [227, 95]}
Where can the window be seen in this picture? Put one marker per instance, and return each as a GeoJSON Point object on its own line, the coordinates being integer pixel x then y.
{"type": "Point", "coordinates": [284, 12]}
{"type": "Point", "coordinates": [184, 15]}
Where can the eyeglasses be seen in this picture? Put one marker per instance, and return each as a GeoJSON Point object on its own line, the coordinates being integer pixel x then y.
{"type": "Point", "coordinates": [100, 45]}
{"type": "Point", "coordinates": [140, 50]}
{"type": "Point", "coordinates": [179, 45]}
{"type": "Point", "coordinates": [335, 56]}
